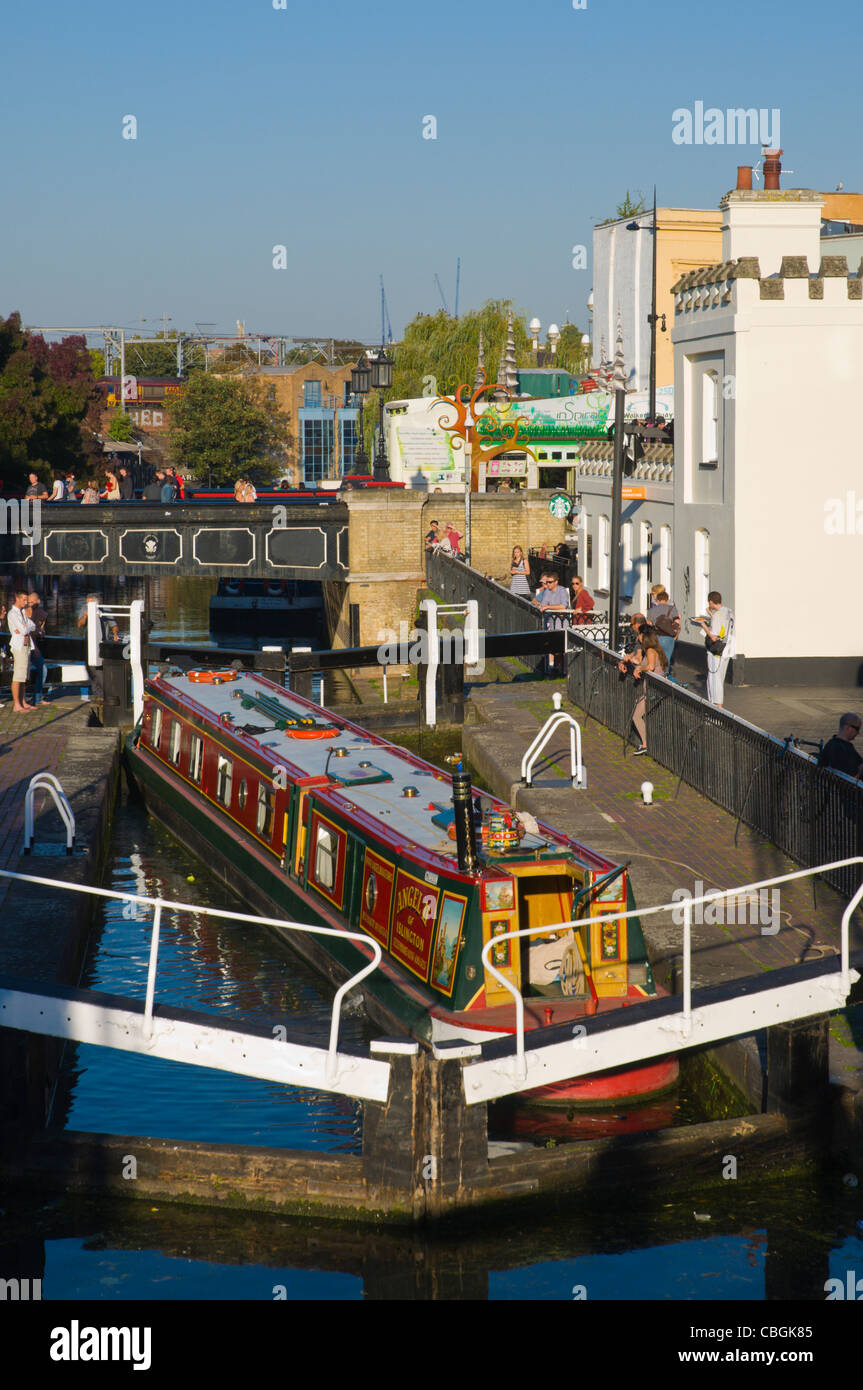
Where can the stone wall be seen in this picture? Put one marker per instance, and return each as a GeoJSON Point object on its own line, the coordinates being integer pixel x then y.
{"type": "Point", "coordinates": [387, 550]}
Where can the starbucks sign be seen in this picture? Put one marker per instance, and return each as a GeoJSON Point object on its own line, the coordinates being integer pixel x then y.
{"type": "Point", "coordinates": [560, 505]}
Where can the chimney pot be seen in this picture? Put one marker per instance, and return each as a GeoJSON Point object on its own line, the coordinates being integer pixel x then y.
{"type": "Point", "coordinates": [772, 168]}
{"type": "Point", "coordinates": [744, 176]}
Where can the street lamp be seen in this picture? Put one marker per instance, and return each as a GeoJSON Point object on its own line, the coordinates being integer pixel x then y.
{"type": "Point", "coordinates": [553, 337]}
{"type": "Point", "coordinates": [534, 328]}
{"type": "Point", "coordinates": [652, 317]}
{"type": "Point", "coordinates": [361, 380]}
{"type": "Point", "coordinates": [382, 380]}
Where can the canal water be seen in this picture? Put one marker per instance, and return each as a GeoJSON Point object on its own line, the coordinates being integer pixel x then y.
{"type": "Point", "coordinates": [748, 1238]}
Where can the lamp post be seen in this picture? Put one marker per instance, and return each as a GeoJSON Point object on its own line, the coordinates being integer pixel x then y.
{"type": "Point", "coordinates": [619, 383]}
{"type": "Point", "coordinates": [361, 378]}
{"type": "Point", "coordinates": [382, 379]}
{"type": "Point", "coordinates": [652, 317]}
{"type": "Point", "coordinates": [553, 338]}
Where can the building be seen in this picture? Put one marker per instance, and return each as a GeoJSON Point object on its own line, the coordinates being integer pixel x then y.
{"type": "Point", "coordinates": [323, 418]}
{"type": "Point", "coordinates": [623, 279]}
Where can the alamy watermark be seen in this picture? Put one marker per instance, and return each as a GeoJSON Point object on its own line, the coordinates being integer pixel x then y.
{"type": "Point", "coordinates": [736, 125]}
{"type": "Point", "coordinates": [21, 517]}
{"type": "Point", "coordinates": [759, 908]}
{"type": "Point", "coordinates": [843, 516]}
{"type": "Point", "coordinates": [411, 647]}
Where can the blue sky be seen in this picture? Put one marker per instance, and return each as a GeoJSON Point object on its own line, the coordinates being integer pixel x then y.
{"type": "Point", "coordinates": [302, 127]}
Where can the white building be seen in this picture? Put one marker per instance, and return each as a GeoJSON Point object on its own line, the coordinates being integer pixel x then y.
{"type": "Point", "coordinates": [768, 352]}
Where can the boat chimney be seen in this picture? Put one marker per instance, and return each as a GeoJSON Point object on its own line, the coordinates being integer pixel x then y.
{"type": "Point", "coordinates": [465, 832]}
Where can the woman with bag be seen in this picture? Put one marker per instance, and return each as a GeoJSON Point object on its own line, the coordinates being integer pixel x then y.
{"type": "Point", "coordinates": [654, 660]}
{"type": "Point", "coordinates": [719, 641]}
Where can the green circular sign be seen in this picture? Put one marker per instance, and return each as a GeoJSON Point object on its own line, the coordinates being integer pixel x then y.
{"type": "Point", "coordinates": [560, 505]}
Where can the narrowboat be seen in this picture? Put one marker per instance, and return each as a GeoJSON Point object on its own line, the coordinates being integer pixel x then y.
{"type": "Point", "coordinates": [309, 817]}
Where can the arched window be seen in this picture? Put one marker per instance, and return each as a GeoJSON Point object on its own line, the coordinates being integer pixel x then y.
{"type": "Point", "coordinates": [702, 572]}
{"type": "Point", "coordinates": [603, 576]}
{"type": "Point", "coordinates": [645, 565]}
{"type": "Point", "coordinates": [665, 559]}
{"type": "Point", "coordinates": [710, 417]}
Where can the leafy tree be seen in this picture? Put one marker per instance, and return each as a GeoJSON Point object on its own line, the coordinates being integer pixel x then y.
{"type": "Point", "coordinates": [570, 355]}
{"type": "Point", "coordinates": [226, 427]}
{"type": "Point", "coordinates": [46, 391]}
{"type": "Point", "coordinates": [120, 427]}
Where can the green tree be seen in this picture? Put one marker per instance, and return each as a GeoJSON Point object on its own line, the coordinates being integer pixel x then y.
{"type": "Point", "coordinates": [46, 390]}
{"type": "Point", "coordinates": [570, 355]}
{"type": "Point", "coordinates": [225, 427]}
{"type": "Point", "coordinates": [120, 427]}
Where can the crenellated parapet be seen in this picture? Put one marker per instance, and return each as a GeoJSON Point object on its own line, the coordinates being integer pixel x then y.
{"type": "Point", "coordinates": [732, 284]}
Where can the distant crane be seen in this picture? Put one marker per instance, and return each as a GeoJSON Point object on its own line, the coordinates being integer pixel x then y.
{"type": "Point", "coordinates": [441, 293]}
{"type": "Point", "coordinates": [386, 336]}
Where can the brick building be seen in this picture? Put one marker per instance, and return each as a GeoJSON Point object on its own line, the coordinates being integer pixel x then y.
{"type": "Point", "coordinates": [323, 418]}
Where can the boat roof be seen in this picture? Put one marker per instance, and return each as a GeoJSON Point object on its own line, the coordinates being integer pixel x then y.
{"type": "Point", "coordinates": [356, 771]}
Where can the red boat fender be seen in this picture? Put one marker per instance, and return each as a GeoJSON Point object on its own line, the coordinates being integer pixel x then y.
{"type": "Point", "coordinates": [212, 677]}
{"type": "Point", "coordinates": [311, 733]}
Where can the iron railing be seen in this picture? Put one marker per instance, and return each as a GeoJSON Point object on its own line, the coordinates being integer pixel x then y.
{"type": "Point", "coordinates": [813, 815]}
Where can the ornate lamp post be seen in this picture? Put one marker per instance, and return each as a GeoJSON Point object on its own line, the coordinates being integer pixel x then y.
{"type": "Point", "coordinates": [382, 379]}
{"type": "Point", "coordinates": [361, 380]}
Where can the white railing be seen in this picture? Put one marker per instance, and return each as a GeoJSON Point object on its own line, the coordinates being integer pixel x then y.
{"type": "Point", "coordinates": [551, 725]}
{"type": "Point", "coordinates": [134, 611]}
{"type": "Point", "coordinates": [683, 1021]}
{"type": "Point", "coordinates": [47, 782]}
{"type": "Point", "coordinates": [432, 608]}
{"type": "Point", "coordinates": [158, 903]}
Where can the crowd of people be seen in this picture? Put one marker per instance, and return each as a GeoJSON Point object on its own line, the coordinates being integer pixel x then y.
{"type": "Point", "coordinates": [114, 485]}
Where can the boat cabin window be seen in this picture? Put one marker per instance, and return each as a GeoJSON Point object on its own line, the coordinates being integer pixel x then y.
{"type": "Point", "coordinates": [326, 851]}
{"type": "Point", "coordinates": [156, 727]}
{"type": "Point", "coordinates": [196, 757]}
{"type": "Point", "coordinates": [242, 795]}
{"type": "Point", "coordinates": [224, 777]}
{"type": "Point", "coordinates": [265, 811]}
{"type": "Point", "coordinates": [176, 740]}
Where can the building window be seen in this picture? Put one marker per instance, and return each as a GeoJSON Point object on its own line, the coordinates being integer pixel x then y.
{"type": "Point", "coordinates": [196, 757]}
{"type": "Point", "coordinates": [710, 417]}
{"type": "Point", "coordinates": [265, 811]}
{"type": "Point", "coordinates": [665, 558]}
{"type": "Point", "coordinates": [176, 740]}
{"type": "Point", "coordinates": [604, 572]}
{"type": "Point", "coordinates": [317, 449]}
{"type": "Point", "coordinates": [224, 778]}
{"type": "Point", "coordinates": [326, 852]}
{"type": "Point", "coordinates": [312, 393]}
{"type": "Point", "coordinates": [156, 727]}
{"type": "Point", "coordinates": [626, 568]}
{"type": "Point", "coordinates": [646, 564]}
{"type": "Point", "coordinates": [702, 572]}
{"type": "Point", "coordinates": [349, 443]}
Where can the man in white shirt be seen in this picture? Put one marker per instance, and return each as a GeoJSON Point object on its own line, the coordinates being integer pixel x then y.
{"type": "Point", "coordinates": [721, 629]}
{"type": "Point", "coordinates": [20, 628]}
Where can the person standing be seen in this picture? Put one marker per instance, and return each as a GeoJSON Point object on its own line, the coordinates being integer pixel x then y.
{"type": "Point", "coordinates": [20, 628]}
{"type": "Point", "coordinates": [36, 490]}
{"type": "Point", "coordinates": [453, 536]}
{"type": "Point", "coordinates": [582, 602]}
{"type": "Point", "coordinates": [432, 536]}
{"type": "Point", "coordinates": [58, 491]}
{"type": "Point", "coordinates": [71, 488]}
{"type": "Point", "coordinates": [153, 491]}
{"type": "Point", "coordinates": [839, 752]}
{"type": "Point", "coordinates": [553, 600]}
{"type": "Point", "coordinates": [38, 617]}
{"type": "Point", "coordinates": [653, 660]}
{"type": "Point", "coordinates": [718, 631]}
{"type": "Point", "coordinates": [666, 619]}
{"type": "Point", "coordinates": [127, 487]}
{"type": "Point", "coordinates": [520, 571]}
{"type": "Point", "coordinates": [111, 492]}
{"type": "Point", "coordinates": [90, 495]}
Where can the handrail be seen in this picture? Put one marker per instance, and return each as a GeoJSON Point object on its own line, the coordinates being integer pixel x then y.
{"type": "Point", "coordinates": [551, 725]}
{"type": "Point", "coordinates": [47, 782]}
{"type": "Point", "coordinates": [158, 903]}
{"type": "Point", "coordinates": [685, 1018]}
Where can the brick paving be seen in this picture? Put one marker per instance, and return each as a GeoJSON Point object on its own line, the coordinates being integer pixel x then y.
{"type": "Point", "coordinates": [680, 839]}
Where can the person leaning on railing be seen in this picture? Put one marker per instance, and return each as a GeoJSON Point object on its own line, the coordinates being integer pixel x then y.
{"type": "Point", "coordinates": [648, 656]}
{"type": "Point", "coordinates": [839, 752]}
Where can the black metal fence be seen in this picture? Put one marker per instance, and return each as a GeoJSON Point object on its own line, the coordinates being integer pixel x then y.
{"type": "Point", "coordinates": [812, 814]}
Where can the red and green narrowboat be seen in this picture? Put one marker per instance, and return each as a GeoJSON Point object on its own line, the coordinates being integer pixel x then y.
{"type": "Point", "coordinates": [309, 817]}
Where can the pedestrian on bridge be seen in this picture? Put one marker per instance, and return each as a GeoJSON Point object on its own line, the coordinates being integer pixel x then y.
{"type": "Point", "coordinates": [718, 631]}
{"type": "Point", "coordinates": [839, 752]}
{"type": "Point", "coordinates": [520, 571]}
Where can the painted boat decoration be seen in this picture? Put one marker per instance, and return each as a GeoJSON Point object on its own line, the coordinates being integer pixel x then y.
{"type": "Point", "coordinates": [312, 818]}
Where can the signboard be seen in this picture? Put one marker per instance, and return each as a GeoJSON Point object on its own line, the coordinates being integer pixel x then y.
{"type": "Point", "coordinates": [560, 505]}
{"type": "Point", "coordinates": [632, 493]}
{"type": "Point", "coordinates": [414, 913]}
{"type": "Point", "coordinates": [506, 468]}
{"type": "Point", "coordinates": [377, 897]}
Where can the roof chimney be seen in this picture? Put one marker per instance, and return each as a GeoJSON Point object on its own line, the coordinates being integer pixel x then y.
{"type": "Point", "coordinates": [744, 177]}
{"type": "Point", "coordinates": [772, 169]}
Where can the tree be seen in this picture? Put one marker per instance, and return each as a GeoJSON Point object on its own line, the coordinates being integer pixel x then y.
{"type": "Point", "coordinates": [46, 391]}
{"type": "Point", "coordinates": [570, 355]}
{"type": "Point", "coordinates": [225, 427]}
{"type": "Point", "coordinates": [120, 427]}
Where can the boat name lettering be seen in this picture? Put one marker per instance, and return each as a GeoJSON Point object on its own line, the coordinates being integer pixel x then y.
{"type": "Point", "coordinates": [411, 897]}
